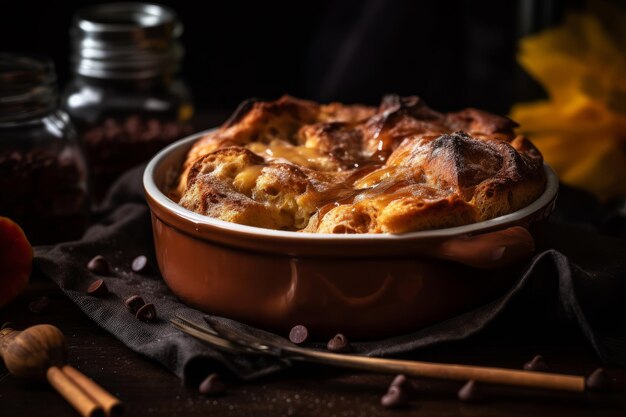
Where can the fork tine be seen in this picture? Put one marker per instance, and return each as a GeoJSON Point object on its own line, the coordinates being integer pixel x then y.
{"type": "Point", "coordinates": [240, 337]}
{"type": "Point", "coordinates": [214, 333]}
{"type": "Point", "coordinates": [196, 325]}
{"type": "Point", "coordinates": [215, 341]}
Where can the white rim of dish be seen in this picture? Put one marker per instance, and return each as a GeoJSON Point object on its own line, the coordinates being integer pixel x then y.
{"type": "Point", "coordinates": [150, 187]}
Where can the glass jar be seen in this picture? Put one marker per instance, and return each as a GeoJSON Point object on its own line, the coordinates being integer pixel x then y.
{"type": "Point", "coordinates": [125, 97]}
{"type": "Point", "coordinates": [43, 181]}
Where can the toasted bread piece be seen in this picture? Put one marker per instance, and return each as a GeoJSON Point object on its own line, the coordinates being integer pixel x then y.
{"type": "Point", "coordinates": [297, 165]}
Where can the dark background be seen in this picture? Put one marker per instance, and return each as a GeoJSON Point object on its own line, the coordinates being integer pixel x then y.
{"type": "Point", "coordinates": [452, 53]}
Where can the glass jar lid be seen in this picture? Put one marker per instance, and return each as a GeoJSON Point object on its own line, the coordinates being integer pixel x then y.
{"type": "Point", "coordinates": [126, 40]}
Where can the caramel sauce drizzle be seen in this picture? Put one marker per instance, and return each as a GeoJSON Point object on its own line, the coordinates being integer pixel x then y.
{"type": "Point", "coordinates": [367, 178]}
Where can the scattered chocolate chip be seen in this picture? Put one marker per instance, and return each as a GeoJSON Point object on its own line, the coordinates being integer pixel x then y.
{"type": "Point", "coordinates": [399, 381]}
{"type": "Point", "coordinates": [97, 288]}
{"type": "Point", "coordinates": [471, 392]}
{"type": "Point", "coordinates": [598, 381]}
{"type": "Point", "coordinates": [338, 344]}
{"type": "Point", "coordinates": [536, 364]}
{"type": "Point", "coordinates": [147, 313]}
{"type": "Point", "coordinates": [98, 265]}
{"type": "Point", "coordinates": [140, 265]}
{"type": "Point", "coordinates": [212, 385]}
{"type": "Point", "coordinates": [403, 382]}
{"type": "Point", "coordinates": [394, 398]}
{"type": "Point", "coordinates": [40, 305]}
{"type": "Point", "coordinates": [299, 334]}
{"type": "Point", "coordinates": [134, 303]}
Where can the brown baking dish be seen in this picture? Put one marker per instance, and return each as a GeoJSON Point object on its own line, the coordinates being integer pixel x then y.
{"type": "Point", "coordinates": [366, 286]}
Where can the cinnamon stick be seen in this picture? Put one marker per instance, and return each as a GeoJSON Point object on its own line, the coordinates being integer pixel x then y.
{"type": "Point", "coordinates": [83, 403]}
{"type": "Point", "coordinates": [112, 406]}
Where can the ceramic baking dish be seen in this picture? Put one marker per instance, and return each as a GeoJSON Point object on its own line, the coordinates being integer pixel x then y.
{"type": "Point", "coordinates": [366, 286]}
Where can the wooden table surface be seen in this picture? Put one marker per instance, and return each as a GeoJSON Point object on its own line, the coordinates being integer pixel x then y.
{"type": "Point", "coordinates": [148, 389]}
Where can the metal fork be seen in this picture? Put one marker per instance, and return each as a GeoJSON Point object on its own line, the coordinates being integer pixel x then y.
{"type": "Point", "coordinates": [235, 341]}
{"type": "Point", "coordinates": [202, 333]}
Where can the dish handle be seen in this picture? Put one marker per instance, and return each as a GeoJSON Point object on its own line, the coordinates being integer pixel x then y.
{"type": "Point", "coordinates": [488, 250]}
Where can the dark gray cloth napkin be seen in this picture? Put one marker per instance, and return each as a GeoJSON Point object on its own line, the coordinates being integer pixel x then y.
{"type": "Point", "coordinates": [579, 280]}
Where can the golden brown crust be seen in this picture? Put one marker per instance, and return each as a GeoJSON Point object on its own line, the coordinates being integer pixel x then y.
{"type": "Point", "coordinates": [297, 165]}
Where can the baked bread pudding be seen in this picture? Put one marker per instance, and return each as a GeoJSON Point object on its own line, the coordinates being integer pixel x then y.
{"type": "Point", "coordinates": [297, 165]}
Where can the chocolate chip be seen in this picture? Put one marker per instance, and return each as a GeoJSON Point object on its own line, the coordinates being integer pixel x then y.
{"type": "Point", "coordinates": [536, 364]}
{"type": "Point", "coordinates": [140, 265]}
{"type": "Point", "coordinates": [299, 334]}
{"type": "Point", "coordinates": [394, 398]}
{"type": "Point", "coordinates": [98, 265]}
{"type": "Point", "coordinates": [338, 344]}
{"type": "Point", "coordinates": [40, 305]}
{"type": "Point", "coordinates": [399, 381]}
{"type": "Point", "coordinates": [403, 382]}
{"type": "Point", "coordinates": [471, 392]}
{"type": "Point", "coordinates": [97, 288]}
{"type": "Point", "coordinates": [598, 381]}
{"type": "Point", "coordinates": [212, 385]}
{"type": "Point", "coordinates": [134, 303]}
{"type": "Point", "coordinates": [147, 313]}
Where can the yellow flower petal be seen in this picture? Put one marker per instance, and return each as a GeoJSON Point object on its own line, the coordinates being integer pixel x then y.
{"type": "Point", "coordinates": [581, 127]}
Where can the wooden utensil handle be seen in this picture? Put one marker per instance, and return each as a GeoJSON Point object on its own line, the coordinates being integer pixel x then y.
{"type": "Point", "coordinates": [444, 371]}
{"type": "Point", "coordinates": [83, 403]}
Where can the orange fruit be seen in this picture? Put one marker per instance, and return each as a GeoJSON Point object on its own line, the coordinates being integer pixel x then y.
{"type": "Point", "coordinates": [16, 260]}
